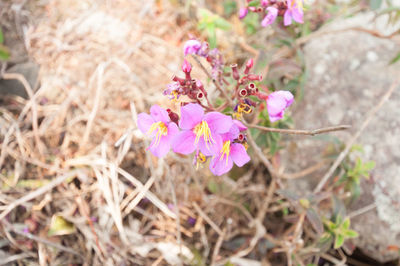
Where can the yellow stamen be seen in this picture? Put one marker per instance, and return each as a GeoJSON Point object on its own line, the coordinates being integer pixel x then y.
{"type": "Point", "coordinates": [226, 149]}
{"type": "Point", "coordinates": [162, 130]}
{"type": "Point", "coordinates": [201, 159]}
{"type": "Point", "coordinates": [202, 130]}
{"type": "Point", "coordinates": [242, 108]}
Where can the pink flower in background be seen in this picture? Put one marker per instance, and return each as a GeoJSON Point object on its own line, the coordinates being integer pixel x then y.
{"type": "Point", "coordinates": [243, 12]}
{"type": "Point", "coordinates": [270, 17]}
{"type": "Point", "coordinates": [294, 11]}
{"type": "Point", "coordinates": [230, 152]}
{"type": "Point", "coordinates": [277, 102]}
{"type": "Point", "coordinates": [159, 126]}
{"type": "Point", "coordinates": [200, 132]}
{"type": "Point", "coordinates": [264, 3]}
{"type": "Point", "coordinates": [191, 47]}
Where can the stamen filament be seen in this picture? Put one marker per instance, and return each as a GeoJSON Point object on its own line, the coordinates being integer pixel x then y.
{"type": "Point", "coordinates": [203, 130]}
{"type": "Point", "coordinates": [162, 130]}
{"type": "Point", "coordinates": [226, 149]}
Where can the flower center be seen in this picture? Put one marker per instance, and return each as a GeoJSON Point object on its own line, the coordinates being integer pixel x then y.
{"type": "Point", "coordinates": [162, 130]}
{"type": "Point", "coordinates": [203, 130]}
{"type": "Point", "coordinates": [200, 159]}
{"type": "Point", "coordinates": [226, 149]}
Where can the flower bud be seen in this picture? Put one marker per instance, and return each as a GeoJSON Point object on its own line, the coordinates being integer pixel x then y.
{"type": "Point", "coordinates": [243, 12]}
{"type": "Point", "coordinates": [173, 116]}
{"type": "Point", "coordinates": [254, 77]}
{"type": "Point", "coordinates": [249, 65]}
{"type": "Point", "coordinates": [186, 66]}
{"type": "Point", "coordinates": [200, 95]}
{"type": "Point", "coordinates": [235, 72]}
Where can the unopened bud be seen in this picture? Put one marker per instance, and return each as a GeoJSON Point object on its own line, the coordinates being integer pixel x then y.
{"type": "Point", "coordinates": [173, 116]}
{"type": "Point", "coordinates": [249, 65]}
{"type": "Point", "coordinates": [254, 77]}
{"type": "Point", "coordinates": [235, 73]}
{"type": "Point", "coordinates": [186, 66]}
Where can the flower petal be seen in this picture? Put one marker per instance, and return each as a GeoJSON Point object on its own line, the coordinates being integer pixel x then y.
{"type": "Point", "coordinates": [173, 130]}
{"type": "Point", "coordinates": [144, 122]}
{"type": "Point", "coordinates": [275, 104]}
{"type": "Point", "coordinates": [297, 15]}
{"type": "Point", "coordinates": [191, 115]}
{"type": "Point", "coordinates": [162, 148]}
{"type": "Point", "coordinates": [239, 155]}
{"type": "Point", "coordinates": [287, 95]}
{"type": "Point", "coordinates": [218, 123]}
{"type": "Point", "coordinates": [159, 114]}
{"type": "Point", "coordinates": [239, 125]}
{"type": "Point", "coordinates": [219, 167]}
{"type": "Point", "coordinates": [183, 142]}
{"type": "Point", "coordinates": [213, 148]}
{"type": "Point", "coordinates": [287, 18]}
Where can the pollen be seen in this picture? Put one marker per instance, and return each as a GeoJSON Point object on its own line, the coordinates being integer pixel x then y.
{"type": "Point", "coordinates": [242, 108]}
{"type": "Point", "coordinates": [203, 130]}
{"type": "Point", "coordinates": [162, 130]}
{"type": "Point", "coordinates": [200, 159]}
{"type": "Point", "coordinates": [226, 148]}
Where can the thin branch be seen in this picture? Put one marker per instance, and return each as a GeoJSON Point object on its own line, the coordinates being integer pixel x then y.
{"type": "Point", "coordinates": [351, 141]}
{"type": "Point", "coordinates": [213, 80]}
{"type": "Point", "coordinates": [207, 219]}
{"type": "Point", "coordinates": [300, 131]}
{"type": "Point", "coordinates": [362, 210]}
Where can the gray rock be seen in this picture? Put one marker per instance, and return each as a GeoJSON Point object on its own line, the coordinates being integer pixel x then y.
{"type": "Point", "coordinates": [29, 70]}
{"type": "Point", "coordinates": [348, 73]}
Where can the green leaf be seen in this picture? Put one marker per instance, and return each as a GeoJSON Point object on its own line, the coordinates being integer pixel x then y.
{"type": "Point", "coordinates": [254, 3]}
{"type": "Point", "coordinates": [350, 233]}
{"type": "Point", "coordinates": [339, 240]}
{"type": "Point", "coordinates": [346, 223]}
{"type": "Point", "coordinates": [222, 24]}
{"type": "Point", "coordinates": [1, 37]}
{"type": "Point", "coordinates": [4, 52]}
{"type": "Point", "coordinates": [369, 166]}
{"type": "Point", "coordinates": [230, 7]}
{"type": "Point", "coordinates": [375, 4]}
{"type": "Point", "coordinates": [60, 226]}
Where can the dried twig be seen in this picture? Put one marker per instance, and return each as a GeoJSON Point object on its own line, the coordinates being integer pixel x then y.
{"type": "Point", "coordinates": [36, 193]}
{"type": "Point", "coordinates": [300, 131]}
{"type": "Point", "coordinates": [351, 141]}
{"type": "Point", "coordinates": [207, 219]}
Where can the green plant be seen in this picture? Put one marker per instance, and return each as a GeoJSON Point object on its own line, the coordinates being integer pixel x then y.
{"type": "Point", "coordinates": [210, 22]}
{"type": "Point", "coordinates": [4, 52]}
{"type": "Point", "coordinates": [338, 231]}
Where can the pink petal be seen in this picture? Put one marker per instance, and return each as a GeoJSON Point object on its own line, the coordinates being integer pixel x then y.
{"type": "Point", "coordinates": [191, 115]}
{"type": "Point", "coordinates": [144, 122]}
{"type": "Point", "coordinates": [191, 47]}
{"type": "Point", "coordinates": [287, 18]}
{"type": "Point", "coordinates": [239, 155]}
{"type": "Point", "coordinates": [162, 148]}
{"type": "Point", "coordinates": [287, 95]}
{"type": "Point", "coordinates": [276, 117]}
{"type": "Point", "coordinates": [173, 130]}
{"type": "Point", "coordinates": [270, 17]}
{"type": "Point", "coordinates": [183, 142]}
{"type": "Point", "coordinates": [232, 134]}
{"type": "Point", "coordinates": [159, 114]}
{"type": "Point", "coordinates": [219, 167]}
{"type": "Point", "coordinates": [275, 104]}
{"type": "Point", "coordinates": [210, 149]}
{"type": "Point", "coordinates": [297, 15]}
{"type": "Point", "coordinates": [239, 125]}
{"type": "Point", "coordinates": [243, 12]}
{"type": "Point", "coordinates": [218, 122]}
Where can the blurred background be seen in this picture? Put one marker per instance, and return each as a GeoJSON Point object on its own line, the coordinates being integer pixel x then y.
{"type": "Point", "coordinates": [79, 188]}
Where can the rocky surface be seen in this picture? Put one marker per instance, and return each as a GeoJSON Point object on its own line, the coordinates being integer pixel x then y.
{"type": "Point", "coordinates": [348, 73]}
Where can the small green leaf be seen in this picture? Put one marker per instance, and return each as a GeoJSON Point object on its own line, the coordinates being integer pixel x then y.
{"type": "Point", "coordinates": [346, 223]}
{"type": "Point", "coordinates": [222, 24]}
{"type": "Point", "coordinates": [60, 226]}
{"type": "Point", "coordinates": [4, 52]}
{"type": "Point", "coordinates": [350, 233]}
{"type": "Point", "coordinates": [339, 240]}
{"type": "Point", "coordinates": [369, 166]}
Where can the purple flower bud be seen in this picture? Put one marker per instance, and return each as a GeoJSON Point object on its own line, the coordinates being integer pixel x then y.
{"type": "Point", "coordinates": [191, 221]}
{"type": "Point", "coordinates": [191, 47]}
{"type": "Point", "coordinates": [270, 17]}
{"type": "Point", "coordinates": [277, 102]}
{"type": "Point", "coordinates": [243, 12]}
{"type": "Point", "coordinates": [186, 66]}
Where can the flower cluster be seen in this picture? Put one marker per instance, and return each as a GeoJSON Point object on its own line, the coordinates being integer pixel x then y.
{"type": "Point", "coordinates": [271, 9]}
{"type": "Point", "coordinates": [202, 128]}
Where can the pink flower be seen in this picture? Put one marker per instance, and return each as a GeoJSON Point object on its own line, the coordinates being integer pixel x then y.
{"type": "Point", "coordinates": [270, 17]}
{"type": "Point", "coordinates": [264, 3]}
{"type": "Point", "coordinates": [200, 132]}
{"type": "Point", "coordinates": [294, 11]}
{"type": "Point", "coordinates": [230, 153]}
{"type": "Point", "coordinates": [191, 47]}
{"type": "Point", "coordinates": [243, 12]}
{"type": "Point", "coordinates": [159, 126]}
{"type": "Point", "coordinates": [277, 102]}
